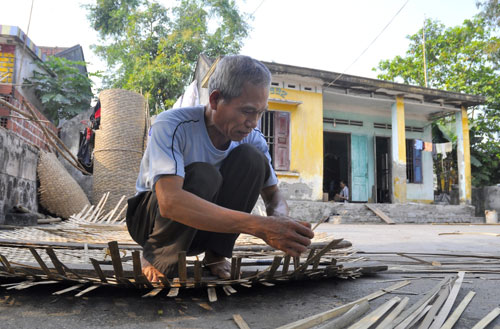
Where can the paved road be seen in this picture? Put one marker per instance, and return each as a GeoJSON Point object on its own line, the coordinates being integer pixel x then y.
{"type": "Point", "coordinates": [265, 307]}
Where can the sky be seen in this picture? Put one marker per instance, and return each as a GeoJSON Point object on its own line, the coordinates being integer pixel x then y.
{"type": "Point", "coordinates": [322, 34]}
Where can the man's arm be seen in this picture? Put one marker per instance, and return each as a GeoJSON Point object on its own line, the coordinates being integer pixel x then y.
{"type": "Point", "coordinates": [275, 202]}
{"type": "Point", "coordinates": [184, 207]}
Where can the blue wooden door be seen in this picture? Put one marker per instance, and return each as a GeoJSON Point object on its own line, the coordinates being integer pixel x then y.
{"type": "Point", "coordinates": [359, 168]}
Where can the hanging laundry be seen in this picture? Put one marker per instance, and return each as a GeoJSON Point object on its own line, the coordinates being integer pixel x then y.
{"type": "Point", "coordinates": [428, 146]}
{"type": "Point", "coordinates": [448, 147]}
{"type": "Point", "coordinates": [419, 145]}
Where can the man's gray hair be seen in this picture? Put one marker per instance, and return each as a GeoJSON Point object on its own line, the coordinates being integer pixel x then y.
{"type": "Point", "coordinates": [232, 72]}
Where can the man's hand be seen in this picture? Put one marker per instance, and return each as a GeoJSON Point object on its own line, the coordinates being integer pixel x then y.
{"type": "Point", "coordinates": [286, 234]}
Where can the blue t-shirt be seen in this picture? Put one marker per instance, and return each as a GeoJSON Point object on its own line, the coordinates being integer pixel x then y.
{"type": "Point", "coordinates": [178, 138]}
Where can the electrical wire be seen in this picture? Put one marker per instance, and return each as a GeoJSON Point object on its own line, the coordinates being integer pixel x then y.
{"type": "Point", "coordinates": [24, 46]}
{"type": "Point", "coordinates": [371, 43]}
{"type": "Point", "coordinates": [258, 7]}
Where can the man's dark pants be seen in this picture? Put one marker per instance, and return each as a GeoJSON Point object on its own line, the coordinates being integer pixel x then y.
{"type": "Point", "coordinates": [235, 186]}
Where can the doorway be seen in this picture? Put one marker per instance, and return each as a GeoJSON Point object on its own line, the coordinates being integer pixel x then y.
{"type": "Point", "coordinates": [336, 150]}
{"type": "Point", "coordinates": [383, 169]}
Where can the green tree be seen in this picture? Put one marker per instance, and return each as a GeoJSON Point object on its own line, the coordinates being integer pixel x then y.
{"type": "Point", "coordinates": [152, 49]}
{"type": "Point", "coordinates": [464, 59]}
{"type": "Point", "coordinates": [62, 89]}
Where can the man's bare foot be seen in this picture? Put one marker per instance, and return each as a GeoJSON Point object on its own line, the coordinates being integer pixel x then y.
{"type": "Point", "coordinates": [149, 271]}
{"type": "Point", "coordinates": [218, 265]}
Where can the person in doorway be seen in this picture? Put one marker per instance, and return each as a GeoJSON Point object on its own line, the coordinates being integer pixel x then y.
{"type": "Point", "coordinates": [343, 196]}
{"type": "Point", "coordinates": [201, 175]}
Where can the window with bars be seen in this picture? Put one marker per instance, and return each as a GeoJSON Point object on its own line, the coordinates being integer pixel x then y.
{"type": "Point", "coordinates": [413, 162]}
{"type": "Point", "coordinates": [3, 122]}
{"type": "Point", "coordinates": [275, 126]}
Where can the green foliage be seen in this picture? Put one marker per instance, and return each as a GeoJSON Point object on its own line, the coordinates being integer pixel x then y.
{"type": "Point", "coordinates": [153, 50]}
{"type": "Point", "coordinates": [62, 89]}
{"type": "Point", "coordinates": [463, 59]}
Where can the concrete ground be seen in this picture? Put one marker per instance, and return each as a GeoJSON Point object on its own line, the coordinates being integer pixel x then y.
{"type": "Point", "coordinates": [270, 307]}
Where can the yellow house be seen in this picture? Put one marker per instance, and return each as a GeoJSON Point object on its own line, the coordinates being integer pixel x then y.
{"type": "Point", "coordinates": [324, 127]}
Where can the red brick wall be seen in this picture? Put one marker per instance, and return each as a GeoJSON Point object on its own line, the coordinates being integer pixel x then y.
{"type": "Point", "coordinates": [26, 129]}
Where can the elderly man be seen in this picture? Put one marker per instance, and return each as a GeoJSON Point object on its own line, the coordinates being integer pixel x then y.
{"type": "Point", "coordinates": [201, 175]}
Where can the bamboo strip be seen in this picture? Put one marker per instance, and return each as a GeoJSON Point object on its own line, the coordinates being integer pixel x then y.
{"type": "Point", "coordinates": [441, 317]}
{"type": "Point", "coordinates": [422, 302]}
{"type": "Point", "coordinates": [375, 315]}
{"type": "Point", "coordinates": [276, 263]}
{"type": "Point", "coordinates": [115, 259]}
{"type": "Point", "coordinates": [212, 295]}
{"type": "Point", "coordinates": [436, 306]}
{"type": "Point", "coordinates": [87, 290]}
{"type": "Point", "coordinates": [240, 322]}
{"type": "Point", "coordinates": [391, 316]}
{"type": "Point", "coordinates": [181, 266]}
{"type": "Point", "coordinates": [348, 317]}
{"type": "Point", "coordinates": [458, 311]}
{"type": "Point", "coordinates": [318, 255]}
{"type": "Point", "coordinates": [60, 292]}
{"type": "Point", "coordinates": [6, 263]}
{"type": "Point", "coordinates": [40, 262]}
{"type": "Point", "coordinates": [487, 319]}
{"type": "Point", "coordinates": [119, 214]}
{"type": "Point", "coordinates": [286, 264]}
{"type": "Point", "coordinates": [153, 292]}
{"type": "Point", "coordinates": [56, 262]}
{"type": "Point", "coordinates": [98, 270]}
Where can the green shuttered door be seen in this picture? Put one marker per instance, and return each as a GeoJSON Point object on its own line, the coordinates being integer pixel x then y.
{"type": "Point", "coordinates": [359, 165]}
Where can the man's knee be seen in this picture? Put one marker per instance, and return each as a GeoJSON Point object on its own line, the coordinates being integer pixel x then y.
{"type": "Point", "coordinates": [248, 156]}
{"type": "Point", "coordinates": [202, 179]}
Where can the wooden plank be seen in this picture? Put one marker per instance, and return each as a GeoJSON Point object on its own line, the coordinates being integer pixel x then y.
{"type": "Point", "coordinates": [391, 316]}
{"type": "Point", "coordinates": [181, 266]}
{"type": "Point", "coordinates": [114, 251]}
{"type": "Point", "coordinates": [87, 290]}
{"type": "Point", "coordinates": [380, 214]}
{"type": "Point", "coordinates": [348, 317]}
{"type": "Point", "coordinates": [60, 292]}
{"type": "Point", "coordinates": [240, 322]}
{"type": "Point", "coordinates": [40, 262]}
{"type": "Point", "coordinates": [286, 264]}
{"type": "Point", "coordinates": [98, 270]}
{"type": "Point", "coordinates": [436, 306]}
{"type": "Point", "coordinates": [55, 261]}
{"type": "Point", "coordinates": [458, 311]}
{"type": "Point", "coordinates": [445, 310]}
{"type": "Point", "coordinates": [212, 294]}
{"type": "Point", "coordinates": [375, 315]}
{"type": "Point", "coordinates": [487, 319]}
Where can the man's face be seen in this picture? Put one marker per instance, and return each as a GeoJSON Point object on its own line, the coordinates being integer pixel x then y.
{"type": "Point", "coordinates": [236, 118]}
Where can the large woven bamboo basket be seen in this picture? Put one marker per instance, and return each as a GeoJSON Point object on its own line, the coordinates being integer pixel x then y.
{"type": "Point", "coordinates": [59, 192]}
{"type": "Point", "coordinates": [119, 144]}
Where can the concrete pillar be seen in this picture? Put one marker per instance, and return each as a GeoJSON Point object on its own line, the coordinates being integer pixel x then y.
{"type": "Point", "coordinates": [398, 141]}
{"type": "Point", "coordinates": [463, 157]}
